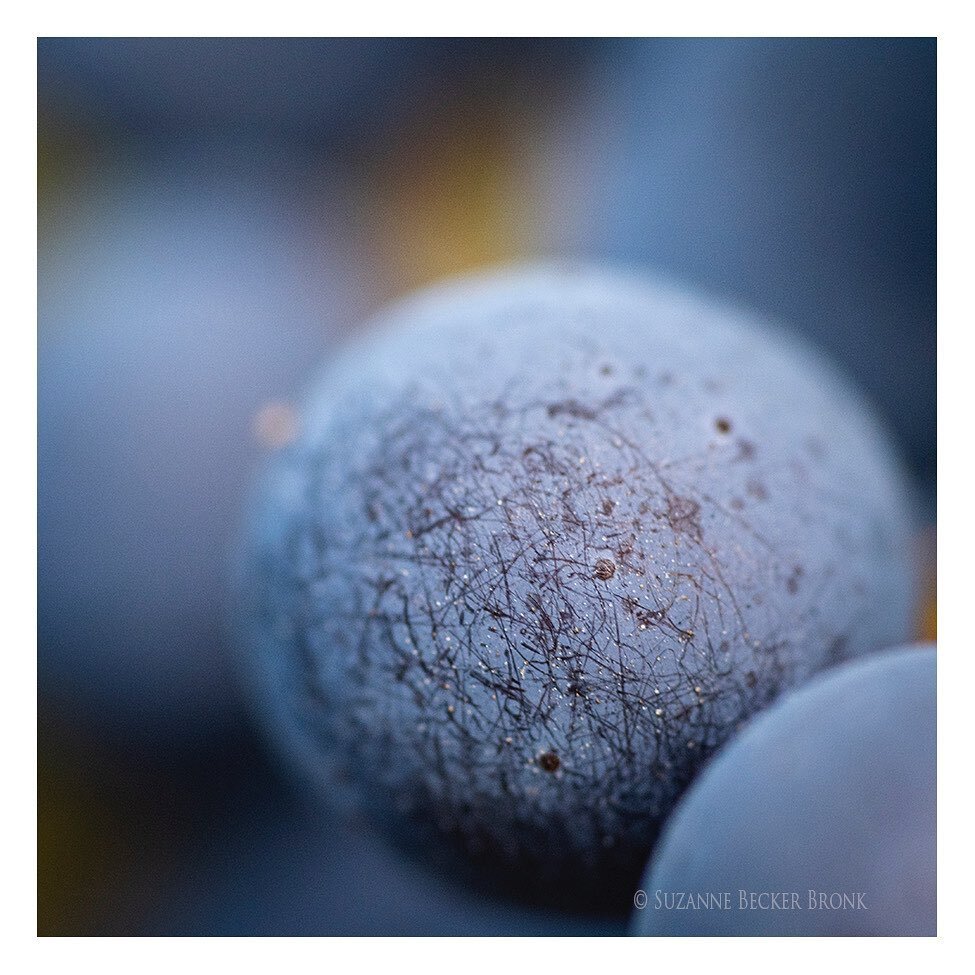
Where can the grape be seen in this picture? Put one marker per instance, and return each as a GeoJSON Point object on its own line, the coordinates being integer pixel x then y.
{"type": "Point", "coordinates": [548, 538]}
{"type": "Point", "coordinates": [827, 799]}
{"type": "Point", "coordinates": [176, 314]}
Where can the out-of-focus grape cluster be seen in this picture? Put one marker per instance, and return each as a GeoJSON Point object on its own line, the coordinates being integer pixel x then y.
{"type": "Point", "coordinates": [216, 220]}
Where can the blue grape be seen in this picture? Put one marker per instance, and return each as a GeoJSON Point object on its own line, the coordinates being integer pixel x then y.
{"type": "Point", "coordinates": [828, 799]}
{"type": "Point", "coordinates": [172, 309]}
{"type": "Point", "coordinates": [547, 539]}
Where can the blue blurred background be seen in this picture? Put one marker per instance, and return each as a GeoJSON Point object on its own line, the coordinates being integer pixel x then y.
{"type": "Point", "coordinates": [216, 216]}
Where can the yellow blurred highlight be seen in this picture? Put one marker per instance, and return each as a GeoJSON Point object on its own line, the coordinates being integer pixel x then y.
{"type": "Point", "coordinates": [926, 623]}
{"type": "Point", "coordinates": [450, 199]}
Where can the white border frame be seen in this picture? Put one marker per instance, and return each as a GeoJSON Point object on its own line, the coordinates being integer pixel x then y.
{"type": "Point", "coordinates": [956, 416]}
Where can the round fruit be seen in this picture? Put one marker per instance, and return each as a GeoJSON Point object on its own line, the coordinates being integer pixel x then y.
{"type": "Point", "coordinates": [547, 539]}
{"type": "Point", "coordinates": [176, 314]}
{"type": "Point", "coordinates": [827, 801]}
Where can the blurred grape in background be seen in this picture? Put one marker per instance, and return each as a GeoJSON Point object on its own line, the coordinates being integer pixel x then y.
{"type": "Point", "coordinates": [168, 357]}
{"type": "Point", "coordinates": [216, 215]}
